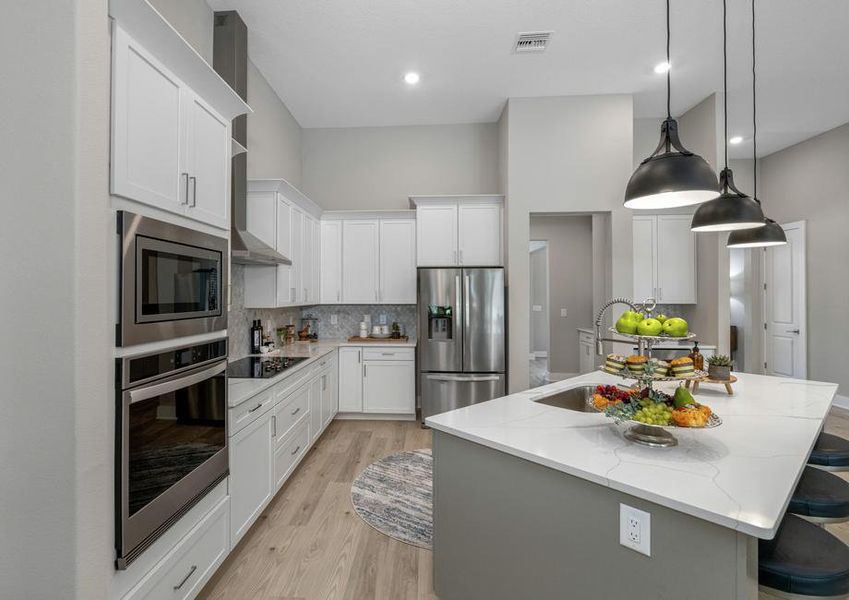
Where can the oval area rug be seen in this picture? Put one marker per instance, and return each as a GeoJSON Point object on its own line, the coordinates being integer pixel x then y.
{"type": "Point", "coordinates": [394, 495]}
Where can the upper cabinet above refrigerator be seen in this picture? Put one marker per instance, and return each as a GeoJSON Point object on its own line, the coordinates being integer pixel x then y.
{"type": "Point", "coordinates": [455, 231]}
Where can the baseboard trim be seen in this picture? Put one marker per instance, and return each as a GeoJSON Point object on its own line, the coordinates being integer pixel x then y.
{"type": "Point", "coordinates": [841, 402]}
{"type": "Point", "coordinates": [351, 416]}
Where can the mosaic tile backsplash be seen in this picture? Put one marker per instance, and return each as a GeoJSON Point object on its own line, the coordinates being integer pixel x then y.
{"type": "Point", "coordinates": [348, 317]}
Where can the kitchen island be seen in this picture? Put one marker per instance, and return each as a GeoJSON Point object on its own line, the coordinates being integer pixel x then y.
{"type": "Point", "coordinates": [527, 495]}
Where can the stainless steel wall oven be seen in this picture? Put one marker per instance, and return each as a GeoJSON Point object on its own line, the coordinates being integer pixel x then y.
{"type": "Point", "coordinates": [173, 281]}
{"type": "Point", "coordinates": [171, 446]}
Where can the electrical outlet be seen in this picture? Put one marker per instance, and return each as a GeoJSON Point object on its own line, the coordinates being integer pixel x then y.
{"type": "Point", "coordinates": [563, 312]}
{"type": "Point", "coordinates": [635, 529]}
{"type": "Point", "coordinates": [334, 319]}
{"type": "Point", "coordinates": [383, 319]}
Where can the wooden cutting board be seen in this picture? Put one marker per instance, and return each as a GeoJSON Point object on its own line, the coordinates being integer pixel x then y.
{"type": "Point", "coordinates": [355, 339]}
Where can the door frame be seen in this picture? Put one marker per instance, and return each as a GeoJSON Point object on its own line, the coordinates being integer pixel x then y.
{"type": "Point", "coordinates": [547, 307]}
{"type": "Point", "coordinates": [803, 324]}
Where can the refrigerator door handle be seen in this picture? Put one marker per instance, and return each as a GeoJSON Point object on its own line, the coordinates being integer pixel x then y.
{"type": "Point", "coordinates": [461, 378]}
{"type": "Point", "coordinates": [467, 323]}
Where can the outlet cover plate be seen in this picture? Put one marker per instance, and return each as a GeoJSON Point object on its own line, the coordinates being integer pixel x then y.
{"type": "Point", "coordinates": [635, 529]}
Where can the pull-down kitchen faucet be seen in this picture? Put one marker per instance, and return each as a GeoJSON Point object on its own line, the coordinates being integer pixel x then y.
{"type": "Point", "coordinates": [599, 348]}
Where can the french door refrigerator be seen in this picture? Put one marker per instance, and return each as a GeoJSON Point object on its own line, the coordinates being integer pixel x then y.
{"type": "Point", "coordinates": [461, 337]}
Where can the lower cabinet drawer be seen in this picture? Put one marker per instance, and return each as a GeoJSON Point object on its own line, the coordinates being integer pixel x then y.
{"type": "Point", "coordinates": [289, 453]}
{"type": "Point", "coordinates": [385, 353]}
{"type": "Point", "coordinates": [241, 416]}
{"type": "Point", "coordinates": [290, 411]}
{"type": "Point", "coordinates": [182, 573]}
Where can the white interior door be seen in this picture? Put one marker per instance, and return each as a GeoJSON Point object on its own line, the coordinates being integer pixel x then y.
{"type": "Point", "coordinates": [785, 306]}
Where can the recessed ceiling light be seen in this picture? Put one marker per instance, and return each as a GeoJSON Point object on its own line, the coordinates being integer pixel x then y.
{"type": "Point", "coordinates": [412, 78]}
{"type": "Point", "coordinates": [661, 68]}
{"type": "Point", "coordinates": [737, 139]}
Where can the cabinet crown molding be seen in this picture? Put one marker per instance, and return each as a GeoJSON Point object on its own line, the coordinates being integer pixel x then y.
{"type": "Point", "coordinates": [424, 200]}
{"type": "Point", "coordinates": [292, 193]}
{"type": "Point", "coordinates": [345, 215]}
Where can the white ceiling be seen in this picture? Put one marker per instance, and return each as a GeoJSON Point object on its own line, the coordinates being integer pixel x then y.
{"type": "Point", "coordinates": [340, 63]}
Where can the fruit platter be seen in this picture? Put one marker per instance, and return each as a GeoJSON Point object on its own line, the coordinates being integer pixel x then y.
{"type": "Point", "coordinates": [652, 414]}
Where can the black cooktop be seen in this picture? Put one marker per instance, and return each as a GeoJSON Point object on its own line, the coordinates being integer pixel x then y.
{"type": "Point", "coordinates": [261, 366]}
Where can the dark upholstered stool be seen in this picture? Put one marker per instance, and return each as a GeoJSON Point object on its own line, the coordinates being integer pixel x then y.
{"type": "Point", "coordinates": [803, 561]}
{"type": "Point", "coordinates": [830, 453]}
{"type": "Point", "coordinates": [820, 497]}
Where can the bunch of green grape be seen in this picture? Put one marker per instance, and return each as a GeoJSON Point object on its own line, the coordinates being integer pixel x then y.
{"type": "Point", "coordinates": [653, 413]}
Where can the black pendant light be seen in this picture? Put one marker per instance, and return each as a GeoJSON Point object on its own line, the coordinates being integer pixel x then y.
{"type": "Point", "coordinates": [771, 234]}
{"type": "Point", "coordinates": [733, 209]}
{"type": "Point", "coordinates": [668, 178]}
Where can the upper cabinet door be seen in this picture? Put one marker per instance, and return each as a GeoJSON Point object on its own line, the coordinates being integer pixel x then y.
{"type": "Point", "coordinates": [436, 235]}
{"type": "Point", "coordinates": [480, 235]}
{"type": "Point", "coordinates": [676, 260]}
{"type": "Point", "coordinates": [316, 261]}
{"type": "Point", "coordinates": [644, 253]}
{"type": "Point", "coordinates": [360, 251]}
{"type": "Point", "coordinates": [208, 154]}
{"type": "Point", "coordinates": [148, 121]}
{"type": "Point", "coordinates": [296, 270]}
{"type": "Point", "coordinates": [307, 259]}
{"type": "Point", "coordinates": [331, 262]}
{"type": "Point", "coordinates": [397, 261]}
{"type": "Point", "coordinates": [284, 247]}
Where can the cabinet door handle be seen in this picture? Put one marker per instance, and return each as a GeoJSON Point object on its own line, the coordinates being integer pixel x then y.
{"type": "Point", "coordinates": [454, 259]}
{"type": "Point", "coordinates": [185, 176]}
{"type": "Point", "coordinates": [255, 408]}
{"type": "Point", "coordinates": [296, 411]}
{"type": "Point", "coordinates": [660, 293]}
{"type": "Point", "coordinates": [186, 578]}
{"type": "Point", "coordinates": [359, 356]}
{"type": "Point", "coordinates": [461, 257]}
{"type": "Point", "coordinates": [295, 451]}
{"type": "Point", "coordinates": [365, 373]}
{"type": "Point", "coordinates": [273, 425]}
{"type": "Point", "coordinates": [194, 181]}
{"type": "Point", "coordinates": [793, 331]}
{"type": "Point", "coordinates": [337, 295]}
{"type": "Point", "coordinates": [323, 382]}
{"type": "Point", "coordinates": [292, 295]}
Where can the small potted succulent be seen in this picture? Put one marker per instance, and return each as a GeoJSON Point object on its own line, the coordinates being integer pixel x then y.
{"type": "Point", "coordinates": [719, 367]}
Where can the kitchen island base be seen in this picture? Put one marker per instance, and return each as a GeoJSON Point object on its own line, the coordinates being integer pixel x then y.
{"type": "Point", "coordinates": [507, 528]}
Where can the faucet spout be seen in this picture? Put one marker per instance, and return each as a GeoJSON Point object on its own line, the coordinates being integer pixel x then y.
{"type": "Point", "coordinates": [599, 348]}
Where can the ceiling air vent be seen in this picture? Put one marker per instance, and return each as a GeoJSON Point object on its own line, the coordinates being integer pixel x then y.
{"type": "Point", "coordinates": [532, 41]}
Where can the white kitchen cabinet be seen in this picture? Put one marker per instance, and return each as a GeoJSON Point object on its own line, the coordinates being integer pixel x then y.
{"type": "Point", "coordinates": [389, 386]}
{"type": "Point", "coordinates": [315, 296]}
{"type": "Point", "coordinates": [316, 385]}
{"type": "Point", "coordinates": [664, 255]}
{"type": "Point", "coordinates": [251, 474]}
{"type": "Point", "coordinates": [289, 452]}
{"type": "Point", "coordinates": [329, 393]}
{"type": "Point", "coordinates": [397, 261]}
{"type": "Point", "coordinates": [283, 284]}
{"type": "Point", "coordinates": [297, 268]}
{"type": "Point", "coordinates": [360, 251]}
{"type": "Point", "coordinates": [331, 262]}
{"type": "Point", "coordinates": [350, 380]}
{"type": "Point", "coordinates": [480, 234]}
{"type": "Point", "coordinates": [586, 352]}
{"type": "Point", "coordinates": [436, 235]}
{"type": "Point", "coordinates": [307, 259]}
{"type": "Point", "coordinates": [169, 148]}
{"type": "Point", "coordinates": [456, 231]}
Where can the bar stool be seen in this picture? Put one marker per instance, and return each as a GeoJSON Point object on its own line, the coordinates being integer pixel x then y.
{"type": "Point", "coordinates": [820, 497]}
{"type": "Point", "coordinates": [803, 561]}
{"type": "Point", "coordinates": [830, 453]}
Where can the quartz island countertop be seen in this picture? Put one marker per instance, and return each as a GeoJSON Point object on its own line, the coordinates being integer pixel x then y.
{"type": "Point", "coordinates": [239, 389]}
{"type": "Point", "coordinates": [739, 475]}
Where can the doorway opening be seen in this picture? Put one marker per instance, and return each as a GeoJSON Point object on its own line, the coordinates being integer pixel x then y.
{"type": "Point", "coordinates": [539, 318]}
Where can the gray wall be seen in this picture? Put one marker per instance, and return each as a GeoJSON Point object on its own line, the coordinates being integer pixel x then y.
{"type": "Point", "coordinates": [563, 154]}
{"type": "Point", "coordinates": [379, 167]}
{"type": "Point", "coordinates": [55, 356]}
{"type": "Point", "coordinates": [810, 182]}
{"type": "Point", "coordinates": [570, 276]}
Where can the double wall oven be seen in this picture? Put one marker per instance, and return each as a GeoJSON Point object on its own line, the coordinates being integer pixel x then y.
{"type": "Point", "coordinates": [173, 281]}
{"type": "Point", "coordinates": [171, 403]}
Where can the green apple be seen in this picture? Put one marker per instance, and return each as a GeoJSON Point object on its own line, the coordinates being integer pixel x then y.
{"type": "Point", "coordinates": [627, 323]}
{"type": "Point", "coordinates": [649, 327]}
{"type": "Point", "coordinates": [676, 327]}
{"type": "Point", "coordinates": [661, 317]}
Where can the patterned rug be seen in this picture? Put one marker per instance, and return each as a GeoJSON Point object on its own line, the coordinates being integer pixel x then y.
{"type": "Point", "coordinates": [395, 496]}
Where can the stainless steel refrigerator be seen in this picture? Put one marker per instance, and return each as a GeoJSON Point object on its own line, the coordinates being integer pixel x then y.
{"type": "Point", "coordinates": [461, 337]}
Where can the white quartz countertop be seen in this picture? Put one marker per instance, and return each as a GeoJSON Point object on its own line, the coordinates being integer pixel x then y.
{"type": "Point", "coordinates": [738, 475]}
{"type": "Point", "coordinates": [239, 390]}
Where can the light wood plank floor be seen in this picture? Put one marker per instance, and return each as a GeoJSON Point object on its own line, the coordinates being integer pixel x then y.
{"type": "Point", "coordinates": [310, 545]}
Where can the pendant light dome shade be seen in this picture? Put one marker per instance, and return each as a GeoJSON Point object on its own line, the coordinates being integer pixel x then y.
{"type": "Point", "coordinates": [732, 210]}
{"type": "Point", "coordinates": [670, 179]}
{"type": "Point", "coordinates": [771, 234]}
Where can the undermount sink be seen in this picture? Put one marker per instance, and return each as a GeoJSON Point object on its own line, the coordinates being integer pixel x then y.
{"type": "Point", "coordinates": [571, 399]}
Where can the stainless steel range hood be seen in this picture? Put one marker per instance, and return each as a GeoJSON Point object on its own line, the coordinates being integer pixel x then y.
{"type": "Point", "coordinates": [230, 60]}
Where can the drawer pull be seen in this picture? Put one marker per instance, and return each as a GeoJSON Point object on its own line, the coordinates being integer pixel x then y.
{"type": "Point", "coordinates": [387, 354]}
{"type": "Point", "coordinates": [295, 451]}
{"type": "Point", "coordinates": [255, 408]}
{"type": "Point", "coordinates": [186, 578]}
{"type": "Point", "coordinates": [296, 411]}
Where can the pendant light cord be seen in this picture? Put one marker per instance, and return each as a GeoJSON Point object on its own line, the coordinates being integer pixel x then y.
{"type": "Point", "coordinates": [754, 112]}
{"type": "Point", "coordinates": [725, 72]}
{"type": "Point", "coordinates": [668, 68]}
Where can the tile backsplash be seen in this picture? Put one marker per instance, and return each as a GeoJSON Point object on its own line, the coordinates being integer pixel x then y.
{"type": "Point", "coordinates": [348, 317]}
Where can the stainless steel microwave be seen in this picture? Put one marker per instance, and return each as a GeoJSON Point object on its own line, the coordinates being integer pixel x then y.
{"type": "Point", "coordinates": [173, 281]}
